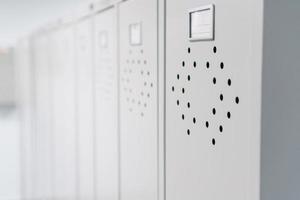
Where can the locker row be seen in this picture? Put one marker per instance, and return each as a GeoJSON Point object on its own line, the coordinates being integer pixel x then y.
{"type": "Point", "coordinates": [158, 100]}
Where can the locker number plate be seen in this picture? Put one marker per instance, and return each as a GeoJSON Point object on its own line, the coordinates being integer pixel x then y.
{"type": "Point", "coordinates": [201, 23]}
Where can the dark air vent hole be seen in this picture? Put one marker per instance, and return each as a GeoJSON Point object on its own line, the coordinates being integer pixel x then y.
{"type": "Point", "coordinates": [195, 64]}
{"type": "Point", "coordinates": [183, 90]}
{"type": "Point", "coordinates": [221, 97]}
{"type": "Point", "coordinates": [215, 49]}
{"type": "Point", "coordinates": [228, 115]}
{"type": "Point", "coordinates": [207, 65]}
{"type": "Point", "coordinates": [178, 76]}
{"type": "Point", "coordinates": [222, 65]}
{"type": "Point", "coordinates": [189, 50]}
{"type": "Point", "coordinates": [188, 132]}
{"type": "Point", "coordinates": [183, 63]}
{"type": "Point", "coordinates": [214, 111]}
{"type": "Point", "coordinates": [182, 116]}
{"type": "Point", "coordinates": [214, 80]}
{"type": "Point", "coordinates": [229, 82]}
{"type": "Point", "coordinates": [188, 105]}
{"type": "Point", "coordinates": [207, 124]}
{"type": "Point", "coordinates": [177, 102]}
{"type": "Point", "coordinates": [237, 100]}
{"type": "Point", "coordinates": [194, 120]}
{"type": "Point", "coordinates": [221, 129]}
{"type": "Point", "coordinates": [188, 77]}
{"type": "Point", "coordinates": [213, 141]}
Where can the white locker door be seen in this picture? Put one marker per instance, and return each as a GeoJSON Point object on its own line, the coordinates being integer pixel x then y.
{"type": "Point", "coordinates": [43, 134]}
{"type": "Point", "coordinates": [84, 97]}
{"type": "Point", "coordinates": [24, 97]}
{"type": "Point", "coordinates": [212, 107]}
{"type": "Point", "coordinates": [138, 100]}
{"type": "Point", "coordinates": [64, 131]}
{"type": "Point", "coordinates": [106, 102]}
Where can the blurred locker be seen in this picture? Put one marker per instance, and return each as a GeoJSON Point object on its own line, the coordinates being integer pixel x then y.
{"type": "Point", "coordinates": [106, 102]}
{"type": "Point", "coordinates": [85, 107]}
{"type": "Point", "coordinates": [138, 100]}
{"type": "Point", "coordinates": [43, 135]}
{"type": "Point", "coordinates": [62, 45]}
{"type": "Point", "coordinates": [24, 99]}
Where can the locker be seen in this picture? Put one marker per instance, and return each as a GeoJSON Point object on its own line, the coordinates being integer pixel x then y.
{"type": "Point", "coordinates": [42, 114]}
{"type": "Point", "coordinates": [62, 73]}
{"type": "Point", "coordinates": [230, 131]}
{"type": "Point", "coordinates": [85, 108]}
{"type": "Point", "coordinates": [24, 100]}
{"type": "Point", "coordinates": [106, 104]}
{"type": "Point", "coordinates": [138, 100]}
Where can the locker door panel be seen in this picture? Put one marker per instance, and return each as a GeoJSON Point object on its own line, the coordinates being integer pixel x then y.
{"type": "Point", "coordinates": [85, 125]}
{"type": "Point", "coordinates": [43, 135]}
{"type": "Point", "coordinates": [138, 100]}
{"type": "Point", "coordinates": [106, 102]}
{"type": "Point", "coordinates": [64, 124]}
{"type": "Point", "coordinates": [211, 89]}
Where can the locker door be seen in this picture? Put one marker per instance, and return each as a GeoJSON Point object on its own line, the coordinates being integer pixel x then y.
{"type": "Point", "coordinates": [106, 102]}
{"type": "Point", "coordinates": [25, 99]}
{"type": "Point", "coordinates": [138, 100]}
{"type": "Point", "coordinates": [84, 97]}
{"type": "Point", "coordinates": [43, 135]}
{"type": "Point", "coordinates": [212, 98]}
{"type": "Point", "coordinates": [64, 131]}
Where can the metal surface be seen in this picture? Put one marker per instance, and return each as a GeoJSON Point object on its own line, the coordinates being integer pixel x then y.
{"type": "Point", "coordinates": [139, 102]}
{"type": "Point", "coordinates": [85, 108]}
{"type": "Point", "coordinates": [212, 103]}
{"type": "Point", "coordinates": [106, 105]}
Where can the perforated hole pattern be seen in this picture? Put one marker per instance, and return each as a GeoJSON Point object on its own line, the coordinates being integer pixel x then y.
{"type": "Point", "coordinates": [221, 97]}
{"type": "Point", "coordinates": [137, 69]}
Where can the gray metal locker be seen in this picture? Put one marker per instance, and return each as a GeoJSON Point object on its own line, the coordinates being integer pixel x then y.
{"type": "Point", "coordinates": [106, 104]}
{"type": "Point", "coordinates": [62, 45]}
{"type": "Point", "coordinates": [138, 100]}
{"type": "Point", "coordinates": [42, 114]}
{"type": "Point", "coordinates": [231, 108]}
{"type": "Point", "coordinates": [24, 97]}
{"type": "Point", "coordinates": [85, 107]}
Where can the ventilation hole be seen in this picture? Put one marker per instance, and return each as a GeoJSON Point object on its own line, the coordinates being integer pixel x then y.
{"type": "Point", "coordinates": [183, 90]}
{"type": "Point", "coordinates": [221, 128]}
{"type": "Point", "coordinates": [145, 62]}
{"type": "Point", "coordinates": [142, 51]}
{"type": "Point", "coordinates": [194, 120]}
{"type": "Point", "coordinates": [213, 141]}
{"type": "Point", "coordinates": [145, 105]}
{"type": "Point", "coordinates": [183, 63]}
{"type": "Point", "coordinates": [188, 77]}
{"type": "Point", "coordinates": [145, 83]}
{"type": "Point", "coordinates": [221, 97]}
{"type": "Point", "coordinates": [229, 82]}
{"type": "Point", "coordinates": [182, 116]}
{"type": "Point", "coordinates": [142, 114]}
{"type": "Point", "coordinates": [139, 102]}
{"type": "Point", "coordinates": [189, 50]}
{"type": "Point", "coordinates": [228, 115]}
{"type": "Point", "coordinates": [178, 76]}
{"type": "Point", "coordinates": [177, 102]}
{"type": "Point", "coordinates": [139, 62]}
{"type": "Point", "coordinates": [188, 105]}
{"type": "Point", "coordinates": [214, 111]}
{"type": "Point", "coordinates": [237, 100]}
{"type": "Point", "coordinates": [148, 73]}
{"type": "Point", "coordinates": [142, 72]}
{"type": "Point", "coordinates": [207, 65]}
{"type": "Point", "coordinates": [148, 95]}
{"type": "Point", "coordinates": [214, 80]}
{"type": "Point", "coordinates": [142, 93]}
{"type": "Point", "coordinates": [215, 49]}
{"type": "Point", "coordinates": [195, 64]}
{"type": "Point", "coordinates": [222, 65]}
{"type": "Point", "coordinates": [151, 85]}
{"type": "Point", "coordinates": [207, 124]}
{"type": "Point", "coordinates": [188, 132]}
